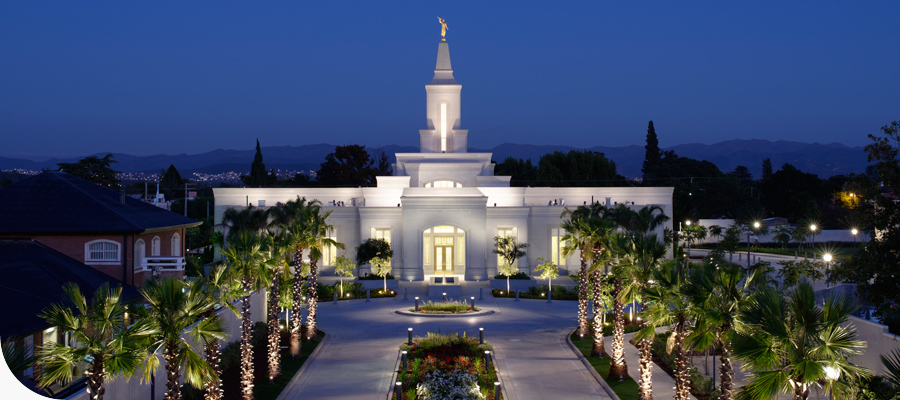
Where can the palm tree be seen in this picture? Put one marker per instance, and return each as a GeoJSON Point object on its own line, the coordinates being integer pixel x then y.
{"type": "Point", "coordinates": [719, 290]}
{"type": "Point", "coordinates": [790, 344]}
{"type": "Point", "coordinates": [510, 251]}
{"type": "Point", "coordinates": [222, 290]}
{"type": "Point", "coordinates": [174, 306]}
{"type": "Point", "coordinates": [247, 260]}
{"type": "Point", "coordinates": [100, 335]}
{"type": "Point", "coordinates": [246, 220]}
{"type": "Point", "coordinates": [318, 231]}
{"type": "Point", "coordinates": [576, 239]}
{"type": "Point", "coordinates": [639, 257]}
{"type": "Point", "coordinates": [670, 305]}
{"type": "Point", "coordinates": [280, 250]}
{"type": "Point", "coordinates": [293, 218]}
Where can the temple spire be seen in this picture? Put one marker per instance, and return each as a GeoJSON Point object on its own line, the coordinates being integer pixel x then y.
{"type": "Point", "coordinates": [443, 72]}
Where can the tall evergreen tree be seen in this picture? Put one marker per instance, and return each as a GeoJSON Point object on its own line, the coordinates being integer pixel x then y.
{"type": "Point", "coordinates": [258, 175]}
{"type": "Point", "coordinates": [94, 169]}
{"type": "Point", "coordinates": [171, 179]}
{"type": "Point", "coordinates": [767, 169]}
{"type": "Point", "coordinates": [652, 155]}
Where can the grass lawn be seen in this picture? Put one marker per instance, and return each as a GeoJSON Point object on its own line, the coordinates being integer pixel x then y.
{"type": "Point", "coordinates": [626, 390]}
{"type": "Point", "coordinates": [289, 367]}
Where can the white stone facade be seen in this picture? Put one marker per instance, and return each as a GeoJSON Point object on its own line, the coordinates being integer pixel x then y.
{"type": "Point", "coordinates": [443, 206]}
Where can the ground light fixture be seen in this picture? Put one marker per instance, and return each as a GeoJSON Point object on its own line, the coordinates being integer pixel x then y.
{"type": "Point", "coordinates": [409, 341]}
{"type": "Point", "coordinates": [473, 303]}
{"type": "Point", "coordinates": [480, 335]}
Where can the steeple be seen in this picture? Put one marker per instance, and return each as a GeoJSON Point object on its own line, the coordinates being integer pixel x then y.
{"type": "Point", "coordinates": [443, 73]}
{"type": "Point", "coordinates": [442, 110]}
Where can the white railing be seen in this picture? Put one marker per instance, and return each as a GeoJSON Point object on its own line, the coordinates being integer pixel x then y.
{"type": "Point", "coordinates": [161, 263]}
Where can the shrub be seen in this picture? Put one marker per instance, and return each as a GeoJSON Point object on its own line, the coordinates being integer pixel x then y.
{"type": "Point", "coordinates": [445, 307]}
{"type": "Point", "coordinates": [455, 384]}
{"type": "Point", "coordinates": [517, 275]}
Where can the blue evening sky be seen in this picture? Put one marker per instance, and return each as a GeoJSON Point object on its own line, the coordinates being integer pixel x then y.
{"type": "Point", "coordinates": [188, 77]}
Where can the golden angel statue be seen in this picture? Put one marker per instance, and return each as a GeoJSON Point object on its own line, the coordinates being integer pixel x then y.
{"type": "Point", "coordinates": [443, 28]}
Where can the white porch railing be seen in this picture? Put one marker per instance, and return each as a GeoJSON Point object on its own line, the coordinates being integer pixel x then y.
{"type": "Point", "coordinates": [161, 263]}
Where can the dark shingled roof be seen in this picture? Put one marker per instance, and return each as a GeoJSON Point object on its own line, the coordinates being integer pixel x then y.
{"type": "Point", "coordinates": [33, 275]}
{"type": "Point", "coordinates": [59, 203]}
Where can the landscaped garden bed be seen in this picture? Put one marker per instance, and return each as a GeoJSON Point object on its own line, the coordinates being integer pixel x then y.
{"type": "Point", "coordinates": [352, 290]}
{"type": "Point", "coordinates": [445, 307]}
{"type": "Point", "coordinates": [540, 292]}
{"type": "Point", "coordinates": [450, 366]}
{"type": "Point", "coordinates": [627, 389]}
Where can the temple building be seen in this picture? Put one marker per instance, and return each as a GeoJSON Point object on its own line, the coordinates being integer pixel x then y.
{"type": "Point", "coordinates": [443, 206]}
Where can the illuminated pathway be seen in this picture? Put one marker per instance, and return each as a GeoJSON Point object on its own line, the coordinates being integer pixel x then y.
{"type": "Point", "coordinates": [357, 358]}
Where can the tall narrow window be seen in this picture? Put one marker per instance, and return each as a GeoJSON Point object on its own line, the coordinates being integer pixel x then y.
{"type": "Point", "coordinates": [505, 232]}
{"type": "Point", "coordinates": [443, 127]}
{"type": "Point", "coordinates": [329, 251]}
{"type": "Point", "coordinates": [557, 244]}
{"type": "Point", "coordinates": [154, 247]}
{"type": "Point", "coordinates": [140, 251]}
{"type": "Point", "coordinates": [176, 244]}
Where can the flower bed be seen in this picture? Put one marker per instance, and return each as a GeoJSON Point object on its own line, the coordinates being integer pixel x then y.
{"type": "Point", "coordinates": [445, 307]}
{"type": "Point", "coordinates": [447, 367]}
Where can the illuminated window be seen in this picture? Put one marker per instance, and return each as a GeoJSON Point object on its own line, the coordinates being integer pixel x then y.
{"type": "Point", "coordinates": [382, 233]}
{"type": "Point", "coordinates": [505, 232]}
{"type": "Point", "coordinates": [557, 244]}
{"type": "Point", "coordinates": [49, 336]}
{"type": "Point", "coordinates": [176, 244]}
{"type": "Point", "coordinates": [101, 250]}
{"type": "Point", "coordinates": [329, 251]}
{"type": "Point", "coordinates": [443, 127]}
{"type": "Point", "coordinates": [443, 184]}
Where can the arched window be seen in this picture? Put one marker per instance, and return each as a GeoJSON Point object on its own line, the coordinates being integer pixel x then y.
{"type": "Point", "coordinates": [154, 247]}
{"type": "Point", "coordinates": [140, 252]}
{"type": "Point", "coordinates": [101, 250]}
{"type": "Point", "coordinates": [444, 183]}
{"type": "Point", "coordinates": [176, 244]}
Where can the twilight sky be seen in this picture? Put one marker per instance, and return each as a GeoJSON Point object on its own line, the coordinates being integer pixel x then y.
{"type": "Point", "coordinates": [187, 77]}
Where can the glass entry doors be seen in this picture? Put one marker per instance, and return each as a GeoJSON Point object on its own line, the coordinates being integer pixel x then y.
{"type": "Point", "coordinates": [443, 255]}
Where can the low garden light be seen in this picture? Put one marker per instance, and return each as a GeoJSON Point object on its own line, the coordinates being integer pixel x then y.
{"type": "Point", "coordinates": [473, 303]}
{"type": "Point", "coordinates": [832, 373]}
{"type": "Point", "coordinates": [480, 335]}
{"type": "Point", "coordinates": [409, 341]}
{"type": "Point", "coordinates": [417, 303]}
{"type": "Point", "coordinates": [487, 359]}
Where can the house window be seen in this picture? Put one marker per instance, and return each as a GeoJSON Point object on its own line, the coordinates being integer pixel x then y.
{"type": "Point", "coordinates": [154, 247]}
{"type": "Point", "coordinates": [102, 250]}
{"type": "Point", "coordinates": [557, 244]}
{"type": "Point", "coordinates": [140, 252]}
{"type": "Point", "coordinates": [49, 336]}
{"type": "Point", "coordinates": [382, 233]}
{"type": "Point", "coordinates": [176, 244]}
{"type": "Point", "coordinates": [329, 251]}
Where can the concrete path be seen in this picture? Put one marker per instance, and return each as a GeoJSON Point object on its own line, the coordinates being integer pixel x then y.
{"type": "Point", "coordinates": [529, 337]}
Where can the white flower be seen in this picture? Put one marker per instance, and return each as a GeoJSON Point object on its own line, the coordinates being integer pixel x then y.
{"type": "Point", "coordinates": [453, 385]}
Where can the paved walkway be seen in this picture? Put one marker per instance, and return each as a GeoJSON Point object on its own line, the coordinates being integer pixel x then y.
{"type": "Point", "coordinates": [529, 337]}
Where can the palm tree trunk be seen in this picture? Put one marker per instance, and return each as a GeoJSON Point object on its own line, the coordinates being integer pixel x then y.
{"type": "Point", "coordinates": [597, 348]}
{"type": "Point", "coordinates": [682, 364]}
{"type": "Point", "coordinates": [246, 345]}
{"type": "Point", "coordinates": [297, 291]}
{"type": "Point", "coordinates": [582, 297]}
{"type": "Point", "coordinates": [617, 369]}
{"type": "Point", "coordinates": [96, 376]}
{"type": "Point", "coordinates": [173, 387]}
{"type": "Point", "coordinates": [312, 300]}
{"type": "Point", "coordinates": [645, 383]}
{"type": "Point", "coordinates": [274, 332]}
{"type": "Point", "coordinates": [727, 373]}
{"type": "Point", "coordinates": [213, 388]}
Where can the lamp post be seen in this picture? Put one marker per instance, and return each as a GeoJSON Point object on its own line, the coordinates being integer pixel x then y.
{"type": "Point", "coordinates": [827, 258]}
{"type": "Point", "coordinates": [688, 223]}
{"type": "Point", "coordinates": [755, 226]}
{"type": "Point", "coordinates": [854, 232]}
{"type": "Point", "coordinates": [812, 230]}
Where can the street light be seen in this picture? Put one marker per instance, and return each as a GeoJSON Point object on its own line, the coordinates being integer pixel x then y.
{"type": "Point", "coordinates": [827, 258]}
{"type": "Point", "coordinates": [688, 223]}
{"type": "Point", "coordinates": [812, 228]}
{"type": "Point", "coordinates": [854, 232]}
{"type": "Point", "coordinates": [755, 226]}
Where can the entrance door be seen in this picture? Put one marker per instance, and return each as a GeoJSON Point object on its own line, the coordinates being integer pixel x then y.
{"type": "Point", "coordinates": [443, 255]}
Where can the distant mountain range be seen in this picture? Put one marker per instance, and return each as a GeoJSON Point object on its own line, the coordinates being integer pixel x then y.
{"type": "Point", "coordinates": [823, 160]}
